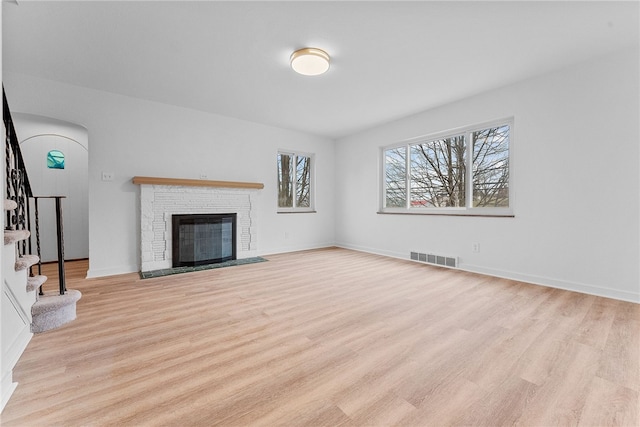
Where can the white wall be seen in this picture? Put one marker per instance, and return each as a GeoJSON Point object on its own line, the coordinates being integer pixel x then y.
{"type": "Point", "coordinates": [575, 172]}
{"type": "Point", "coordinates": [132, 137]}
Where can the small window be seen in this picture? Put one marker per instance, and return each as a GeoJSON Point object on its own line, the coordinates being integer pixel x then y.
{"type": "Point", "coordinates": [438, 173]}
{"type": "Point", "coordinates": [55, 159]}
{"type": "Point", "coordinates": [395, 171]}
{"type": "Point", "coordinates": [295, 187]}
{"type": "Point", "coordinates": [458, 172]}
{"type": "Point", "coordinates": [491, 167]}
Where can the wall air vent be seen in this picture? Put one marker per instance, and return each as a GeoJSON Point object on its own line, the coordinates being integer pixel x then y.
{"type": "Point", "coordinates": [445, 261]}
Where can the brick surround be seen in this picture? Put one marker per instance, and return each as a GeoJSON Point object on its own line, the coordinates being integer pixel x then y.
{"type": "Point", "coordinates": [159, 202]}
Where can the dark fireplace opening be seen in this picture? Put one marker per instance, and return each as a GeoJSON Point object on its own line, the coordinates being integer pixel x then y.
{"type": "Point", "coordinates": [200, 239]}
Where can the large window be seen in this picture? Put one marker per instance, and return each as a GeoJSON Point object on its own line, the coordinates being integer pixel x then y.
{"type": "Point", "coordinates": [459, 172]}
{"type": "Point", "coordinates": [295, 189]}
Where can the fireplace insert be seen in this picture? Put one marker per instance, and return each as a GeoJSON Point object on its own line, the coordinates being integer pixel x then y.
{"type": "Point", "coordinates": [200, 239]}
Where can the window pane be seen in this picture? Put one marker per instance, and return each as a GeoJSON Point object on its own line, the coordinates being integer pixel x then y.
{"type": "Point", "coordinates": [285, 181]}
{"type": "Point", "coordinates": [438, 173]}
{"type": "Point", "coordinates": [395, 169]}
{"type": "Point", "coordinates": [303, 181]}
{"type": "Point", "coordinates": [491, 167]}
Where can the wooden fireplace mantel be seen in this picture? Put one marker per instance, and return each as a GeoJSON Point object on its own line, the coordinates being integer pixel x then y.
{"type": "Point", "coordinates": [196, 182]}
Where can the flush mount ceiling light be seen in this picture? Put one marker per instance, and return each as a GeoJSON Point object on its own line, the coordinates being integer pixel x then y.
{"type": "Point", "coordinates": [310, 61]}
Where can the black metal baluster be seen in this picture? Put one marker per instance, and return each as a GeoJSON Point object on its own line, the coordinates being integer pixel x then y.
{"type": "Point", "coordinates": [38, 249]}
{"type": "Point", "coordinates": [8, 155]}
{"type": "Point", "coordinates": [63, 286]}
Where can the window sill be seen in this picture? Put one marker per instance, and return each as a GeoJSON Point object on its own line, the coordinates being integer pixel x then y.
{"type": "Point", "coordinates": [295, 212]}
{"type": "Point", "coordinates": [450, 213]}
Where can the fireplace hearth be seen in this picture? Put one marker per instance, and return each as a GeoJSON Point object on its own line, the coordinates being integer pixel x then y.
{"type": "Point", "coordinates": [200, 239]}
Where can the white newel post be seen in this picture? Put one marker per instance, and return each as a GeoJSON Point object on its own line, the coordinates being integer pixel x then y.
{"type": "Point", "coordinates": [158, 202]}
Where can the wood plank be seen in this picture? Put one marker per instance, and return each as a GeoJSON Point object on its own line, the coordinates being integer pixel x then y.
{"type": "Point", "coordinates": [329, 337]}
{"type": "Point", "coordinates": [195, 182]}
{"type": "Point", "coordinates": [611, 405]}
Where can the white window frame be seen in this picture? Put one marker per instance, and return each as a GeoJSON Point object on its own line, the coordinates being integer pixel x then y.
{"type": "Point", "coordinates": [312, 186]}
{"type": "Point", "coordinates": [467, 210]}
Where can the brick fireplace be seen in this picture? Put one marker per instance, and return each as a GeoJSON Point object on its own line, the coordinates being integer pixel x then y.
{"type": "Point", "coordinates": [161, 198]}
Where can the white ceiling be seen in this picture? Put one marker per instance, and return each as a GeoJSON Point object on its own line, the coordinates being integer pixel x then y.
{"type": "Point", "coordinates": [390, 59]}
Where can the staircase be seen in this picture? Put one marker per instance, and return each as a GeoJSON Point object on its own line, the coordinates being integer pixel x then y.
{"type": "Point", "coordinates": [48, 310]}
{"type": "Point", "coordinates": [25, 308]}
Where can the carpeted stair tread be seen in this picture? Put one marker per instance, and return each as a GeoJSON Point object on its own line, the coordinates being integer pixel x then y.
{"type": "Point", "coordinates": [35, 282]}
{"type": "Point", "coordinates": [9, 205]}
{"type": "Point", "coordinates": [53, 300]}
{"type": "Point", "coordinates": [53, 310]}
{"type": "Point", "coordinates": [12, 236]}
{"type": "Point", "coordinates": [26, 261]}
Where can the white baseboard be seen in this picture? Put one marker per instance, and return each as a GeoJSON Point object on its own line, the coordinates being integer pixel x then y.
{"type": "Point", "coordinates": [374, 251]}
{"type": "Point", "coordinates": [555, 283]}
{"type": "Point", "coordinates": [527, 278]}
{"type": "Point", "coordinates": [93, 273]}
{"type": "Point", "coordinates": [11, 353]}
{"type": "Point", "coordinates": [7, 387]}
{"type": "Point", "coordinates": [297, 248]}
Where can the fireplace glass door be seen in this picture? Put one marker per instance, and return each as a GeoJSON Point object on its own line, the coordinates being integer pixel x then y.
{"type": "Point", "coordinates": [200, 239]}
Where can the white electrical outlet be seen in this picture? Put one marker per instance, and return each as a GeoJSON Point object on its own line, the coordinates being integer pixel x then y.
{"type": "Point", "coordinates": [107, 176]}
{"type": "Point", "coordinates": [475, 247]}
{"type": "Point", "coordinates": [203, 176]}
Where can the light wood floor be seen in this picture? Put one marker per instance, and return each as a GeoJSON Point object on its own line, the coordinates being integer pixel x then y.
{"type": "Point", "coordinates": [331, 337]}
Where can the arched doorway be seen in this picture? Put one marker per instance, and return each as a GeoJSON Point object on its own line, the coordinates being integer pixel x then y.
{"type": "Point", "coordinates": [56, 156]}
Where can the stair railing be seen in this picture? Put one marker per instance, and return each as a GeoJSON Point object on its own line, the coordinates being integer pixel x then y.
{"type": "Point", "coordinates": [19, 190]}
{"type": "Point", "coordinates": [18, 186]}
